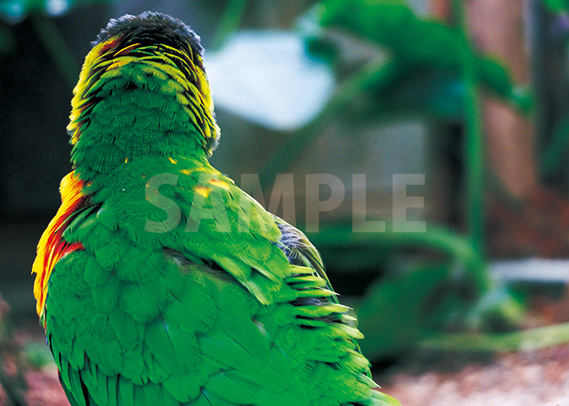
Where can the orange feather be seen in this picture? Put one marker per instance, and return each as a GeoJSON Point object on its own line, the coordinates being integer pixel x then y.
{"type": "Point", "coordinates": [52, 247]}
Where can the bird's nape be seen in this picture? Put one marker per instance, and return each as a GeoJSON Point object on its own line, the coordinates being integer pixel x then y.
{"type": "Point", "coordinates": [142, 91]}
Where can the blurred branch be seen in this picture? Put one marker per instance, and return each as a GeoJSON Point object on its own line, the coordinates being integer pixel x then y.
{"type": "Point", "coordinates": [57, 47]}
{"type": "Point", "coordinates": [533, 339]}
{"type": "Point", "coordinates": [437, 239]}
{"type": "Point", "coordinates": [554, 154]}
{"type": "Point", "coordinates": [474, 149]}
{"type": "Point", "coordinates": [230, 20]}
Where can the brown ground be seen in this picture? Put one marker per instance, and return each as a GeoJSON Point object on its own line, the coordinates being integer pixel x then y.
{"type": "Point", "coordinates": [539, 378]}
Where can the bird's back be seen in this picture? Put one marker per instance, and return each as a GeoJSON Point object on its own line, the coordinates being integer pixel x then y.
{"type": "Point", "coordinates": [211, 310]}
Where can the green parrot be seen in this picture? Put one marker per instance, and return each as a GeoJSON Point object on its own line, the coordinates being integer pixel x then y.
{"type": "Point", "coordinates": [159, 281]}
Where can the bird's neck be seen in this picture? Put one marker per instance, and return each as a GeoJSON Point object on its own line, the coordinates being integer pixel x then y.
{"type": "Point", "coordinates": [134, 124]}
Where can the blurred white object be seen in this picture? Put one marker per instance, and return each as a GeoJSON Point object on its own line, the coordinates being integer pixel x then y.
{"type": "Point", "coordinates": [268, 78]}
{"type": "Point", "coordinates": [531, 270]}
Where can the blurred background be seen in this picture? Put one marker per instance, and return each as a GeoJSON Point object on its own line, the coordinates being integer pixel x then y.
{"type": "Point", "coordinates": [467, 100]}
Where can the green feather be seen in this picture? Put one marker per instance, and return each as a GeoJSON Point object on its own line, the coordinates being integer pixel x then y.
{"type": "Point", "coordinates": [126, 392]}
{"type": "Point", "coordinates": [208, 398]}
{"type": "Point", "coordinates": [106, 296]}
{"type": "Point", "coordinates": [95, 275]}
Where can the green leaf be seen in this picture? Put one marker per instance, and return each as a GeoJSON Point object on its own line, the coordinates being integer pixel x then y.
{"type": "Point", "coordinates": [558, 6]}
{"type": "Point", "coordinates": [495, 75]}
{"type": "Point", "coordinates": [380, 21]}
{"type": "Point", "coordinates": [392, 313]}
{"type": "Point", "coordinates": [440, 92]}
{"type": "Point", "coordinates": [425, 41]}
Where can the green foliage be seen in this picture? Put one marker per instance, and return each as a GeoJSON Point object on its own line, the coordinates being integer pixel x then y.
{"type": "Point", "coordinates": [422, 299]}
{"type": "Point", "coordinates": [438, 240]}
{"type": "Point", "coordinates": [426, 68]}
{"type": "Point", "coordinates": [498, 309]}
{"type": "Point", "coordinates": [418, 306]}
{"type": "Point", "coordinates": [416, 69]}
{"type": "Point", "coordinates": [426, 52]}
{"type": "Point", "coordinates": [393, 315]}
{"type": "Point", "coordinates": [17, 9]}
{"type": "Point", "coordinates": [419, 73]}
{"type": "Point", "coordinates": [395, 26]}
{"type": "Point", "coordinates": [557, 6]}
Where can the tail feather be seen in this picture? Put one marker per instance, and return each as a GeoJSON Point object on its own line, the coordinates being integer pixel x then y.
{"type": "Point", "coordinates": [379, 398]}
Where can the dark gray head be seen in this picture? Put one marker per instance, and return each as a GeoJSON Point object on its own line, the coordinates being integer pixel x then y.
{"type": "Point", "coordinates": [150, 28]}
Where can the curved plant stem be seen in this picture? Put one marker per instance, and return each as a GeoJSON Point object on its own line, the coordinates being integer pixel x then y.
{"type": "Point", "coordinates": [474, 146]}
{"type": "Point", "coordinates": [377, 70]}
{"type": "Point", "coordinates": [229, 21]}
{"type": "Point", "coordinates": [436, 239]}
{"type": "Point", "coordinates": [57, 47]}
{"type": "Point", "coordinates": [532, 339]}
